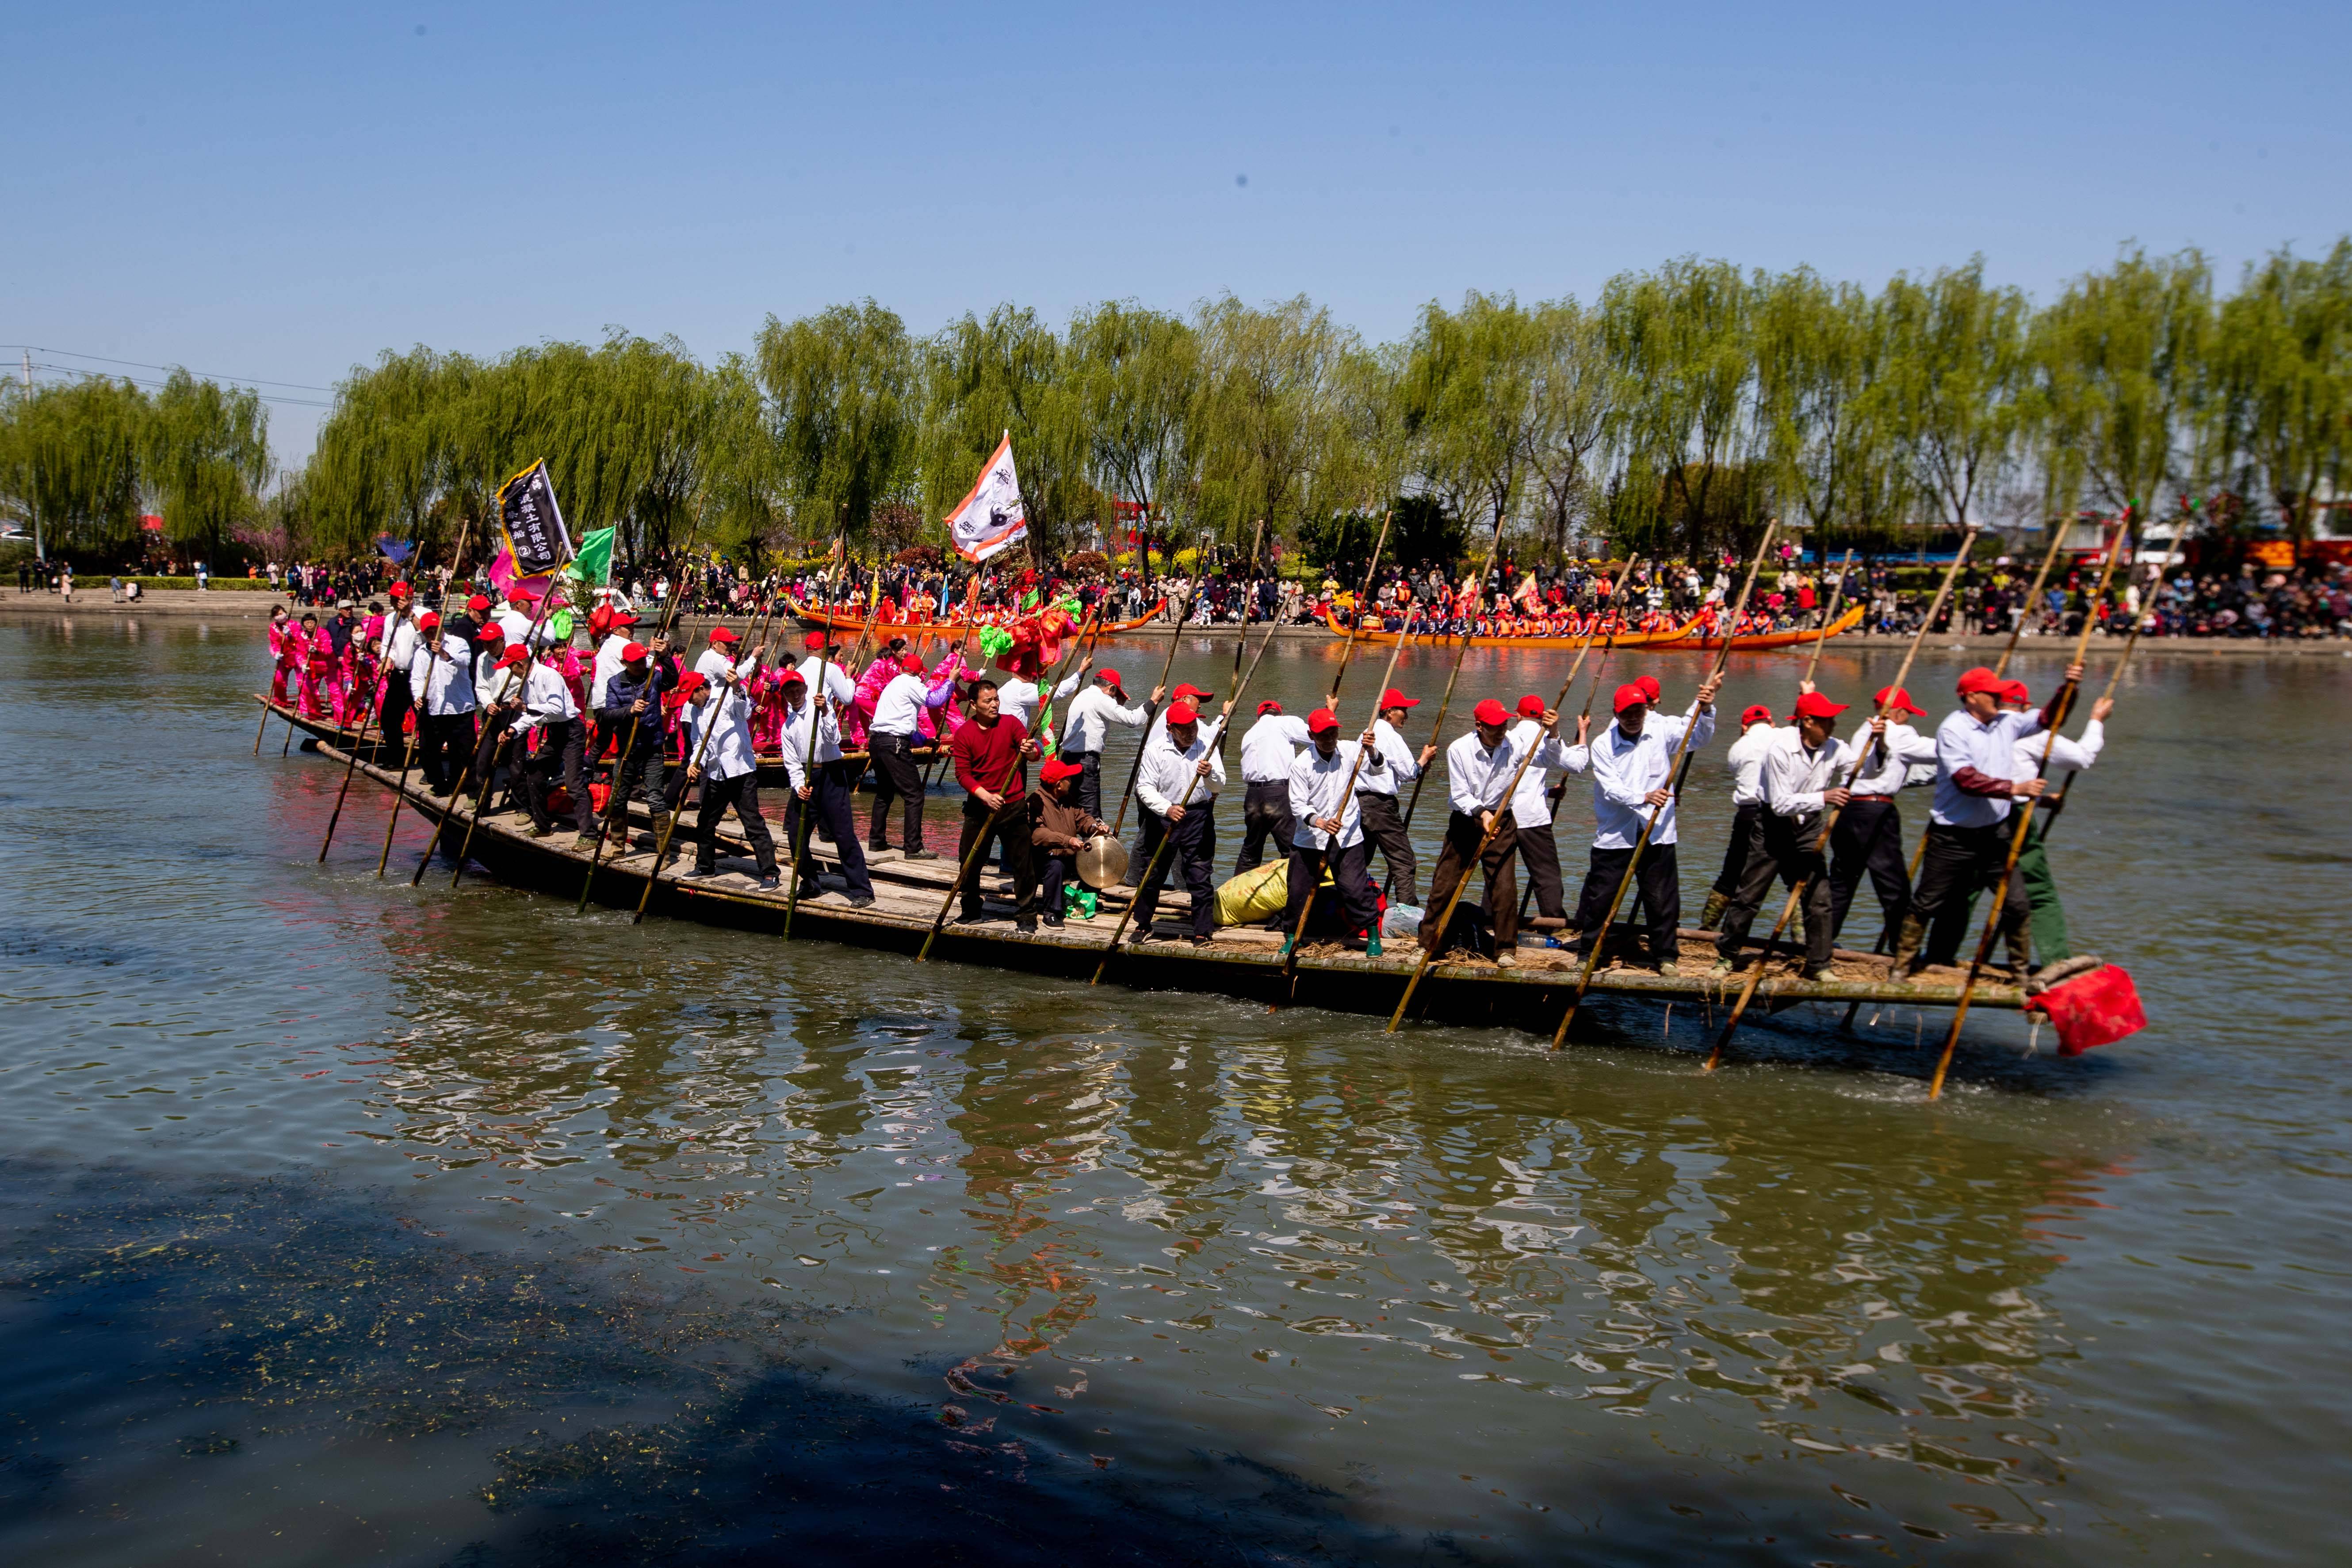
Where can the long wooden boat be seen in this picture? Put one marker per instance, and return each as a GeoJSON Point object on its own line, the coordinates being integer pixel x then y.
{"type": "Point", "coordinates": [1240, 961]}
{"type": "Point", "coordinates": [1756, 642]}
{"type": "Point", "coordinates": [1443, 639]}
{"type": "Point", "coordinates": [816, 619]}
{"type": "Point", "coordinates": [772, 772]}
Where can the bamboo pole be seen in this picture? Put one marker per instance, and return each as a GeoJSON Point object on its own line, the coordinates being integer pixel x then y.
{"type": "Point", "coordinates": [1677, 770]}
{"type": "Point", "coordinates": [1486, 837]}
{"type": "Point", "coordinates": [2055, 716]}
{"type": "Point", "coordinates": [2032, 594]}
{"type": "Point", "coordinates": [1240, 632]}
{"type": "Point", "coordinates": [1829, 617]}
{"type": "Point", "coordinates": [1469, 630]}
{"type": "Point", "coordinates": [1175, 636]}
{"type": "Point", "coordinates": [1224, 726]}
{"type": "Point", "coordinates": [1363, 606]}
{"type": "Point", "coordinates": [2066, 786]}
{"type": "Point", "coordinates": [996, 814]}
{"type": "Point", "coordinates": [1829, 817]}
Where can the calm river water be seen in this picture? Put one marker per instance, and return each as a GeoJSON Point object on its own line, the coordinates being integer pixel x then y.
{"type": "Point", "coordinates": [351, 1224]}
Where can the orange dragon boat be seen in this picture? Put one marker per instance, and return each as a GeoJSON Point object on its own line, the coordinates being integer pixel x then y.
{"type": "Point", "coordinates": [816, 619]}
{"type": "Point", "coordinates": [1755, 642]}
{"type": "Point", "coordinates": [1448, 639]}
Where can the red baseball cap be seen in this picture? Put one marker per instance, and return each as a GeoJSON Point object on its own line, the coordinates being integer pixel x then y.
{"type": "Point", "coordinates": [691, 682]}
{"type": "Point", "coordinates": [398, 590]}
{"type": "Point", "coordinates": [1629, 696]}
{"type": "Point", "coordinates": [1754, 713]}
{"type": "Point", "coordinates": [912, 664]}
{"type": "Point", "coordinates": [1183, 713]}
{"type": "Point", "coordinates": [1109, 676]}
{"type": "Point", "coordinates": [1813, 705]}
{"type": "Point", "coordinates": [1392, 698]}
{"type": "Point", "coordinates": [620, 617]}
{"type": "Point", "coordinates": [1269, 705]}
{"type": "Point", "coordinates": [427, 621]}
{"type": "Point", "coordinates": [1491, 712]}
{"type": "Point", "coordinates": [2015, 691]}
{"type": "Point", "coordinates": [720, 633]}
{"type": "Point", "coordinates": [1054, 770]}
{"type": "Point", "coordinates": [1897, 699]}
{"type": "Point", "coordinates": [794, 678]}
{"type": "Point", "coordinates": [520, 596]}
{"type": "Point", "coordinates": [491, 632]}
{"type": "Point", "coordinates": [1979, 679]}
{"type": "Point", "coordinates": [632, 652]}
{"type": "Point", "coordinates": [1651, 691]}
{"type": "Point", "coordinates": [1531, 706]}
{"type": "Point", "coordinates": [476, 604]}
{"type": "Point", "coordinates": [1194, 692]}
{"type": "Point", "coordinates": [518, 654]}
{"type": "Point", "coordinates": [814, 641]}
{"type": "Point", "coordinates": [1322, 718]}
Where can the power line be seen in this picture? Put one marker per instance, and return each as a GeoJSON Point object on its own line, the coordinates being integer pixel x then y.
{"type": "Point", "coordinates": [149, 380]}
{"type": "Point", "coordinates": [240, 380]}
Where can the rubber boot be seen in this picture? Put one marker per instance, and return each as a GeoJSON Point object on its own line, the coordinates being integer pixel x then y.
{"type": "Point", "coordinates": [2021, 954]}
{"type": "Point", "coordinates": [1906, 947]}
{"type": "Point", "coordinates": [1712, 918]}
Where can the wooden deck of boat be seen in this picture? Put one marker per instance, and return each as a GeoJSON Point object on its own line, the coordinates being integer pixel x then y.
{"type": "Point", "coordinates": [1244, 962]}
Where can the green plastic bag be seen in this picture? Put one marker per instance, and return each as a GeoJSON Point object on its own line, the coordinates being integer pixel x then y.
{"type": "Point", "coordinates": [1078, 901]}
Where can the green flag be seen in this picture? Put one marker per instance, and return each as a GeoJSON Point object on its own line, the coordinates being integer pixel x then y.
{"type": "Point", "coordinates": [594, 563]}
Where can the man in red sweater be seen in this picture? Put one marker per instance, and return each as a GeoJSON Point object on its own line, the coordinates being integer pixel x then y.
{"type": "Point", "coordinates": [992, 753]}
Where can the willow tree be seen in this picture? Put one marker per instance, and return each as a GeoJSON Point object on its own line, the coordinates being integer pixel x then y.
{"type": "Point", "coordinates": [1139, 377]}
{"type": "Point", "coordinates": [1570, 411]}
{"type": "Point", "coordinates": [1680, 351]}
{"type": "Point", "coordinates": [387, 452]}
{"type": "Point", "coordinates": [70, 461]}
{"type": "Point", "coordinates": [844, 401]}
{"type": "Point", "coordinates": [2283, 408]}
{"type": "Point", "coordinates": [1271, 419]}
{"type": "Point", "coordinates": [985, 378]}
{"type": "Point", "coordinates": [205, 453]}
{"type": "Point", "coordinates": [2120, 362]}
{"type": "Point", "coordinates": [1470, 386]}
{"type": "Point", "coordinates": [1956, 377]}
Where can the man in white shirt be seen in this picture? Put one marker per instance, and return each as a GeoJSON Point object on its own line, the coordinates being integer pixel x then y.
{"type": "Point", "coordinates": [1968, 841]}
{"type": "Point", "coordinates": [519, 617]}
{"type": "Point", "coordinates": [1376, 788]}
{"type": "Point", "coordinates": [1480, 830]}
{"type": "Point", "coordinates": [394, 653]}
{"type": "Point", "coordinates": [1804, 773]}
{"type": "Point", "coordinates": [824, 654]}
{"type": "Point", "coordinates": [553, 741]}
{"type": "Point", "coordinates": [890, 739]}
{"type": "Point", "coordinates": [1868, 838]}
{"type": "Point", "coordinates": [1531, 807]}
{"type": "Point", "coordinates": [727, 770]}
{"type": "Point", "coordinates": [1269, 748]}
{"type": "Point", "coordinates": [441, 679]}
{"type": "Point", "coordinates": [820, 791]}
{"type": "Point", "coordinates": [2051, 945]}
{"type": "Point", "coordinates": [1328, 836]}
{"type": "Point", "coordinates": [497, 688]}
{"type": "Point", "coordinates": [1746, 760]}
{"type": "Point", "coordinates": [1632, 778]}
{"type": "Point", "coordinates": [1177, 786]}
{"type": "Point", "coordinates": [1020, 695]}
{"type": "Point", "coordinates": [609, 659]}
{"type": "Point", "coordinates": [1087, 726]}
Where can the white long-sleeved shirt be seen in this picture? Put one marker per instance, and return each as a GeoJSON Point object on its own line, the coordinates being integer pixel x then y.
{"type": "Point", "coordinates": [729, 753]}
{"type": "Point", "coordinates": [2065, 755]}
{"type": "Point", "coordinates": [1746, 760]}
{"type": "Point", "coordinates": [902, 702]}
{"type": "Point", "coordinates": [397, 649]}
{"type": "Point", "coordinates": [1794, 774]}
{"type": "Point", "coordinates": [608, 665]}
{"type": "Point", "coordinates": [1019, 697]}
{"type": "Point", "coordinates": [444, 685]}
{"type": "Point", "coordinates": [837, 684]}
{"type": "Point", "coordinates": [796, 739]}
{"type": "Point", "coordinates": [518, 627]}
{"type": "Point", "coordinates": [1885, 770]}
{"type": "Point", "coordinates": [493, 685]}
{"type": "Point", "coordinates": [721, 671]}
{"type": "Point", "coordinates": [546, 698]}
{"type": "Point", "coordinates": [1318, 788]}
{"type": "Point", "coordinates": [1624, 770]}
{"type": "Point", "coordinates": [1090, 716]}
{"type": "Point", "coordinates": [1476, 778]}
{"type": "Point", "coordinates": [1271, 745]}
{"type": "Point", "coordinates": [1990, 748]}
{"type": "Point", "coordinates": [1529, 809]}
{"type": "Point", "coordinates": [1396, 767]}
{"type": "Point", "coordinates": [1168, 774]}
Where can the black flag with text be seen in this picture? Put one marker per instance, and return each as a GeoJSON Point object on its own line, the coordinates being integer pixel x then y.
{"type": "Point", "coordinates": [533, 522]}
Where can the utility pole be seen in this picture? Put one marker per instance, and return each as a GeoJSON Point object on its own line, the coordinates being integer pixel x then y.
{"type": "Point", "coordinates": [40, 556]}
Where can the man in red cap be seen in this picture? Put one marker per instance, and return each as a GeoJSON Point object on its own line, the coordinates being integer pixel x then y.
{"type": "Point", "coordinates": [1868, 838]}
{"type": "Point", "coordinates": [1533, 805]}
{"type": "Point", "coordinates": [1746, 760]}
{"type": "Point", "coordinates": [728, 772]}
{"type": "Point", "coordinates": [890, 739]}
{"type": "Point", "coordinates": [395, 651]}
{"type": "Point", "coordinates": [1480, 770]}
{"type": "Point", "coordinates": [1177, 786]}
{"type": "Point", "coordinates": [497, 688]}
{"type": "Point", "coordinates": [1188, 693]}
{"type": "Point", "coordinates": [1968, 841]}
{"type": "Point", "coordinates": [1376, 788]}
{"type": "Point", "coordinates": [1632, 777]}
{"type": "Point", "coordinates": [441, 676]}
{"type": "Point", "coordinates": [820, 792]}
{"type": "Point", "coordinates": [620, 632]}
{"type": "Point", "coordinates": [631, 714]}
{"type": "Point", "coordinates": [1058, 828]}
{"type": "Point", "coordinates": [1329, 834]}
{"type": "Point", "coordinates": [1087, 726]}
{"type": "Point", "coordinates": [1803, 775]}
{"type": "Point", "coordinates": [519, 615]}
{"type": "Point", "coordinates": [838, 689]}
{"type": "Point", "coordinates": [1269, 748]}
{"type": "Point", "coordinates": [468, 623]}
{"type": "Point", "coordinates": [555, 741]}
{"type": "Point", "coordinates": [992, 751]}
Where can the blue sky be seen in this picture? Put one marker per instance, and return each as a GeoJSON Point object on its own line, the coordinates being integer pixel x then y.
{"type": "Point", "coordinates": [282, 192]}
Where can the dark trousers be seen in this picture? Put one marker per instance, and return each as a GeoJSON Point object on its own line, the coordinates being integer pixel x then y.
{"type": "Point", "coordinates": [1266, 813]}
{"type": "Point", "coordinates": [743, 793]}
{"type": "Point", "coordinates": [896, 776]}
{"type": "Point", "coordinates": [1540, 850]}
{"type": "Point", "coordinates": [1735, 851]}
{"type": "Point", "coordinates": [1958, 862]}
{"type": "Point", "coordinates": [1052, 869]}
{"type": "Point", "coordinates": [1782, 849]}
{"type": "Point", "coordinates": [1350, 871]}
{"type": "Point", "coordinates": [561, 749]}
{"type": "Point", "coordinates": [638, 768]}
{"type": "Point", "coordinates": [1090, 781]}
{"type": "Point", "coordinates": [1462, 836]}
{"type": "Point", "coordinates": [1383, 821]}
{"type": "Point", "coordinates": [1868, 838]}
{"type": "Point", "coordinates": [1191, 845]}
{"type": "Point", "coordinates": [488, 750]}
{"type": "Point", "coordinates": [441, 743]}
{"type": "Point", "coordinates": [828, 807]}
{"type": "Point", "coordinates": [1007, 829]}
{"type": "Point", "coordinates": [394, 710]}
{"type": "Point", "coordinates": [1658, 883]}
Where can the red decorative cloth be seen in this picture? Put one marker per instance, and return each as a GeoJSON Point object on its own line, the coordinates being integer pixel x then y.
{"type": "Point", "coordinates": [2095, 1009]}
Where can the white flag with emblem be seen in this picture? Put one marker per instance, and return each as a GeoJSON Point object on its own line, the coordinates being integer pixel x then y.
{"type": "Point", "coordinates": [991, 517]}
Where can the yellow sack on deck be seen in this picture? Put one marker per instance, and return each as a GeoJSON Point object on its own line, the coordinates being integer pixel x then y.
{"type": "Point", "coordinates": [1256, 895]}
